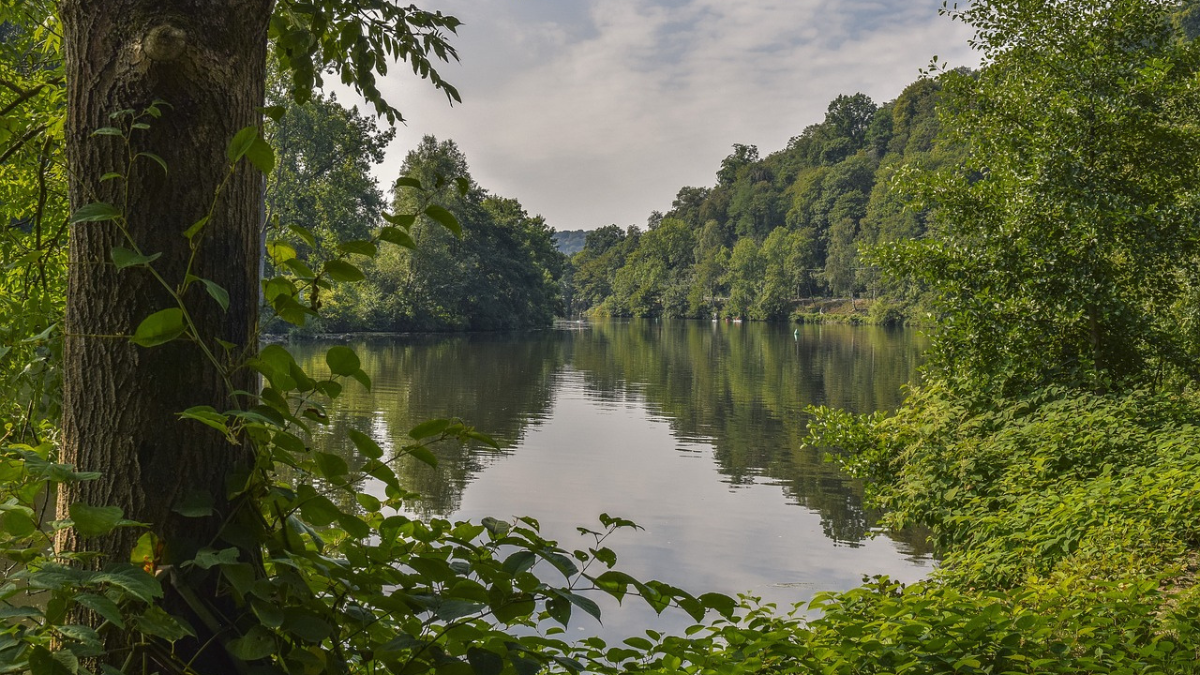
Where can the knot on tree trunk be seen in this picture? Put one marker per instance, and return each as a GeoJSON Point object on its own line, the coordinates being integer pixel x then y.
{"type": "Point", "coordinates": [164, 42]}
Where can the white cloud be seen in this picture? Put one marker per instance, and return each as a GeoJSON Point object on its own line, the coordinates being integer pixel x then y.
{"type": "Point", "coordinates": [597, 111]}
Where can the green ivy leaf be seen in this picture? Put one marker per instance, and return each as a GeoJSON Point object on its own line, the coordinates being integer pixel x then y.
{"type": "Point", "coordinates": [330, 466]}
{"type": "Point", "coordinates": [365, 444]}
{"type": "Point", "coordinates": [422, 454]}
{"type": "Point", "coordinates": [340, 270]}
{"type": "Point", "coordinates": [397, 236]}
{"type": "Point", "coordinates": [133, 580]}
{"type": "Point", "coordinates": [94, 521]}
{"type": "Point", "coordinates": [342, 360]}
{"type": "Point", "coordinates": [274, 112]}
{"type": "Point", "coordinates": [304, 233]}
{"type": "Point", "coordinates": [445, 218]}
{"type": "Point", "coordinates": [261, 155]}
{"type": "Point", "coordinates": [215, 291]}
{"type": "Point", "coordinates": [104, 607]}
{"type": "Point", "coordinates": [484, 662]}
{"type": "Point", "coordinates": [258, 643]}
{"type": "Point", "coordinates": [280, 251]}
{"type": "Point", "coordinates": [123, 257]}
{"type": "Point", "coordinates": [429, 428]}
{"type": "Point", "coordinates": [159, 328]}
{"type": "Point", "coordinates": [195, 228]}
{"type": "Point", "coordinates": [18, 523]}
{"type": "Point", "coordinates": [241, 143]}
{"type": "Point", "coordinates": [156, 159]}
{"type": "Point", "coordinates": [95, 213]}
{"type": "Point", "coordinates": [402, 220]}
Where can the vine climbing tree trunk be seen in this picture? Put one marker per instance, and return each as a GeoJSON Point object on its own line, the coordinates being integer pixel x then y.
{"type": "Point", "coordinates": [206, 60]}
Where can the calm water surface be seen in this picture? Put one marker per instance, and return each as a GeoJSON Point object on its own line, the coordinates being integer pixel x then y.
{"type": "Point", "coordinates": [694, 430]}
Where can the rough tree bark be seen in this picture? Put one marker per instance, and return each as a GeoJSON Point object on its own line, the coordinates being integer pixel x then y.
{"type": "Point", "coordinates": [206, 58]}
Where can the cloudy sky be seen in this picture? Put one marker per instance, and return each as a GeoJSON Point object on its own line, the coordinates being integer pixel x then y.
{"type": "Point", "coordinates": [593, 112]}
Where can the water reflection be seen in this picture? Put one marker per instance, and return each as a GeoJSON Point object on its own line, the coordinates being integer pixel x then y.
{"type": "Point", "coordinates": [692, 429]}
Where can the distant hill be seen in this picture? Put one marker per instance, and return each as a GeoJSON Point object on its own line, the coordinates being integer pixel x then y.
{"type": "Point", "coordinates": [569, 242]}
{"type": "Point", "coordinates": [778, 229]}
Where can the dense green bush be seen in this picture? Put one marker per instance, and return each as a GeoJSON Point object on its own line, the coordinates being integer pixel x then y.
{"type": "Point", "coordinates": [1056, 482]}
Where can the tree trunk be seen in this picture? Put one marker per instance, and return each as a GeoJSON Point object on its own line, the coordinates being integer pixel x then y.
{"type": "Point", "coordinates": [120, 401]}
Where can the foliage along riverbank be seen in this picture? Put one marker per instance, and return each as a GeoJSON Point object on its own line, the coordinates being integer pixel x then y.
{"type": "Point", "coordinates": [1051, 448]}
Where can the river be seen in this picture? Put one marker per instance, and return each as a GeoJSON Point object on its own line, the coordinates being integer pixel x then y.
{"type": "Point", "coordinates": [694, 430]}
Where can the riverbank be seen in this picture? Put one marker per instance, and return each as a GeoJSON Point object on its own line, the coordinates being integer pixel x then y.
{"type": "Point", "coordinates": [1070, 527]}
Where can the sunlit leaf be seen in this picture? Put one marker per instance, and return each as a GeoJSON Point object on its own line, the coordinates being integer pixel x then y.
{"type": "Point", "coordinates": [159, 328]}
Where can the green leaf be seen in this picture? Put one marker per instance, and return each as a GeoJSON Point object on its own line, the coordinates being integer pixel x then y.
{"type": "Point", "coordinates": [43, 662]}
{"type": "Point", "coordinates": [365, 444]}
{"type": "Point", "coordinates": [274, 112]}
{"type": "Point", "coordinates": [133, 580]}
{"type": "Point", "coordinates": [518, 562]}
{"type": "Point", "coordinates": [363, 379]}
{"type": "Point", "coordinates": [154, 158]}
{"type": "Point", "coordinates": [241, 143]}
{"type": "Point", "coordinates": [195, 228]}
{"type": "Point", "coordinates": [484, 662]}
{"type": "Point", "coordinates": [340, 270]}
{"type": "Point", "coordinates": [216, 291]}
{"type": "Point", "coordinates": [110, 176]}
{"type": "Point", "coordinates": [525, 666]}
{"type": "Point", "coordinates": [7, 613]}
{"type": "Point", "coordinates": [583, 603]}
{"type": "Point", "coordinates": [258, 643]}
{"type": "Point", "coordinates": [268, 613]}
{"type": "Point", "coordinates": [94, 521]}
{"type": "Point", "coordinates": [304, 233]}
{"type": "Point", "coordinates": [320, 511]}
{"type": "Point", "coordinates": [95, 212]}
{"type": "Point", "coordinates": [207, 415]}
{"type": "Point", "coordinates": [403, 220]}
{"type": "Point", "coordinates": [331, 466]}
{"type": "Point", "coordinates": [405, 181]}
{"type": "Point", "coordinates": [444, 217]}
{"type": "Point", "coordinates": [300, 269]}
{"type": "Point", "coordinates": [342, 360]}
{"type": "Point", "coordinates": [123, 257]}
{"type": "Point", "coordinates": [422, 454]}
{"type": "Point", "coordinates": [429, 428]}
{"type": "Point", "coordinates": [261, 155]}
{"type": "Point", "coordinates": [307, 627]}
{"type": "Point", "coordinates": [397, 236]}
{"type": "Point", "coordinates": [108, 131]}
{"type": "Point", "coordinates": [103, 607]}
{"type": "Point", "coordinates": [78, 633]}
{"type": "Point", "coordinates": [280, 251]}
{"type": "Point", "coordinates": [449, 610]}
{"type": "Point", "coordinates": [18, 522]}
{"type": "Point", "coordinates": [159, 328]}
{"type": "Point", "coordinates": [722, 604]}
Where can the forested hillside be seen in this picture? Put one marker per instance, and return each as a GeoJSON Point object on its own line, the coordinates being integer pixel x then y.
{"type": "Point", "coordinates": [774, 229]}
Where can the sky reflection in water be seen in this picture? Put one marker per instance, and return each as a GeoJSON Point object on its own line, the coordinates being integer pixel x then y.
{"type": "Point", "coordinates": [694, 431]}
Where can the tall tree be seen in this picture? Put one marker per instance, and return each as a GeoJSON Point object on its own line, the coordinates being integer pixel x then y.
{"type": "Point", "coordinates": [1062, 245]}
{"type": "Point", "coordinates": [121, 400]}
